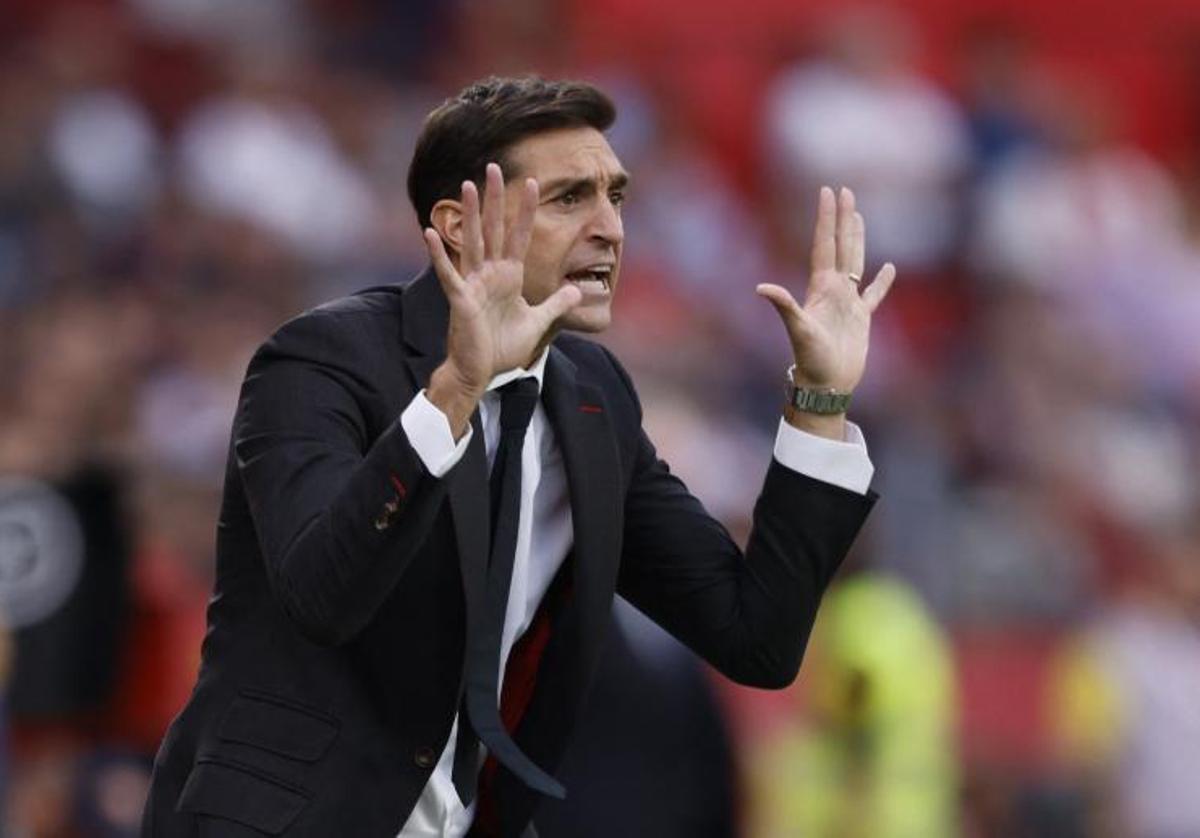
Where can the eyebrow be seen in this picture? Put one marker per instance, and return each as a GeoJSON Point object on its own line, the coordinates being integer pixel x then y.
{"type": "Point", "coordinates": [618, 181]}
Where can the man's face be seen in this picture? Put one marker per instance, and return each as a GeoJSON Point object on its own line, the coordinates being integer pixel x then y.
{"type": "Point", "coordinates": [577, 233]}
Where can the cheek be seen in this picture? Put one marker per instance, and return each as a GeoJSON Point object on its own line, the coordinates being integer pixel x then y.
{"type": "Point", "coordinates": [541, 277]}
{"type": "Point", "coordinates": [544, 261]}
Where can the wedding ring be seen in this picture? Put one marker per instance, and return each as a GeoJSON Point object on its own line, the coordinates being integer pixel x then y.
{"type": "Point", "coordinates": [855, 278]}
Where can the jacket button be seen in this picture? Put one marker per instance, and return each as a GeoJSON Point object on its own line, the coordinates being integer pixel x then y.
{"type": "Point", "coordinates": [424, 757]}
{"type": "Point", "coordinates": [387, 515]}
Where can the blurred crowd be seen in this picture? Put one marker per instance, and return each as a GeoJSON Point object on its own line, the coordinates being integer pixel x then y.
{"type": "Point", "coordinates": [1014, 647]}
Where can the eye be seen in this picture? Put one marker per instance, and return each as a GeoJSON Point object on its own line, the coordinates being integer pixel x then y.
{"type": "Point", "coordinates": [617, 197]}
{"type": "Point", "coordinates": [569, 199]}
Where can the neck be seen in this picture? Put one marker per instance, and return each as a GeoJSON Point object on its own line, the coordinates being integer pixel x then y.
{"type": "Point", "coordinates": [550, 335]}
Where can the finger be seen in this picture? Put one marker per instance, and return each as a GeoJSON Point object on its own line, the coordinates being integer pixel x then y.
{"type": "Point", "coordinates": [558, 303]}
{"type": "Point", "coordinates": [875, 292]}
{"type": "Point", "coordinates": [493, 213]}
{"type": "Point", "coordinates": [472, 246]}
{"type": "Point", "coordinates": [858, 245]}
{"type": "Point", "coordinates": [447, 275]}
{"type": "Point", "coordinates": [518, 237]}
{"type": "Point", "coordinates": [824, 248]}
{"type": "Point", "coordinates": [846, 245]}
{"type": "Point", "coordinates": [795, 319]}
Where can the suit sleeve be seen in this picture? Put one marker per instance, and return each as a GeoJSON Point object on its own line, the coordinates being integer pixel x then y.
{"type": "Point", "coordinates": [338, 515]}
{"type": "Point", "coordinates": [748, 615]}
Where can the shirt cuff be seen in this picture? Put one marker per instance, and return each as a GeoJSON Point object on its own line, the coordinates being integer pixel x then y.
{"type": "Point", "coordinates": [843, 464]}
{"type": "Point", "coordinates": [428, 432]}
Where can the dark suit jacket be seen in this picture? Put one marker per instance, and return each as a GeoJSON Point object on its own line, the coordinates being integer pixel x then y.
{"type": "Point", "coordinates": [347, 574]}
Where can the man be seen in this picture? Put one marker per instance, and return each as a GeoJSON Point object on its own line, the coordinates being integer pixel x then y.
{"type": "Point", "coordinates": [398, 646]}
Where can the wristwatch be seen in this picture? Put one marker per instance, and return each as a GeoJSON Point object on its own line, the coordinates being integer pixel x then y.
{"type": "Point", "coordinates": [825, 401]}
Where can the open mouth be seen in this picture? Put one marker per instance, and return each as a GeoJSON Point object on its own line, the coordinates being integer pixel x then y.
{"type": "Point", "coordinates": [596, 279]}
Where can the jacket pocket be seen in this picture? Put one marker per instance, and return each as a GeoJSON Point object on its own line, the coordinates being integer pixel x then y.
{"type": "Point", "coordinates": [278, 725]}
{"type": "Point", "coordinates": [226, 789]}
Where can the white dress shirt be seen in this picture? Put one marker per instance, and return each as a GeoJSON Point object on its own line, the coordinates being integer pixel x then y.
{"type": "Point", "coordinates": [545, 536]}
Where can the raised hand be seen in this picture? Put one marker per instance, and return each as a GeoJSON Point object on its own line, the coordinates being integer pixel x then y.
{"type": "Point", "coordinates": [492, 327]}
{"type": "Point", "coordinates": [829, 333]}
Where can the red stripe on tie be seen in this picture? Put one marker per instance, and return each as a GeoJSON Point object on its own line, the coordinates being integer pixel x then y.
{"type": "Point", "coordinates": [591, 408]}
{"type": "Point", "coordinates": [516, 694]}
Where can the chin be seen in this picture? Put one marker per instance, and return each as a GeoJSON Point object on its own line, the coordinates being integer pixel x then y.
{"type": "Point", "coordinates": [587, 319]}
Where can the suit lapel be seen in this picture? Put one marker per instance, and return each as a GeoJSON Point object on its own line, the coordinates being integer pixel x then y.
{"type": "Point", "coordinates": [426, 314]}
{"type": "Point", "coordinates": [469, 507]}
{"type": "Point", "coordinates": [583, 428]}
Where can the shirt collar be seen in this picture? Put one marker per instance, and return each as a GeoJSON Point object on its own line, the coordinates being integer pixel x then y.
{"type": "Point", "coordinates": [536, 370]}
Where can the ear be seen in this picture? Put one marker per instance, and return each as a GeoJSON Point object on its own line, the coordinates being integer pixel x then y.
{"type": "Point", "coordinates": [446, 217]}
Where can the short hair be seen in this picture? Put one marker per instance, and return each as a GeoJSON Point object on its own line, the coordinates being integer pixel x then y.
{"type": "Point", "coordinates": [484, 121]}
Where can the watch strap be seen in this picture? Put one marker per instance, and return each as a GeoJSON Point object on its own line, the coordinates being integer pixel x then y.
{"type": "Point", "coordinates": [821, 400]}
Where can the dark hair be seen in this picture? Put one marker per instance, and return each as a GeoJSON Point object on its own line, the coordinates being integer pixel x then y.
{"type": "Point", "coordinates": [486, 119]}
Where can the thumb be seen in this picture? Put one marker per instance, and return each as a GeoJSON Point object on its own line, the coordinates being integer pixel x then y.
{"type": "Point", "coordinates": [795, 318]}
{"type": "Point", "coordinates": [558, 303]}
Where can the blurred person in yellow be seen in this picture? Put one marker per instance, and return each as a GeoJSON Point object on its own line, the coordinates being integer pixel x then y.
{"type": "Point", "coordinates": [1123, 699]}
{"type": "Point", "coordinates": [399, 644]}
{"type": "Point", "coordinates": [874, 753]}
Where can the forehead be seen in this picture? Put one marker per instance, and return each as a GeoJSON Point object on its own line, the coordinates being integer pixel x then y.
{"type": "Point", "coordinates": [564, 153]}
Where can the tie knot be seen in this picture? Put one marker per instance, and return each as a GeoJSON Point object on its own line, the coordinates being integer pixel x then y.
{"type": "Point", "coordinates": [517, 401]}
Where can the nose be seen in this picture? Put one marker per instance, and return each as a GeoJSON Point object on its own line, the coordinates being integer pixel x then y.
{"type": "Point", "coordinates": [606, 225]}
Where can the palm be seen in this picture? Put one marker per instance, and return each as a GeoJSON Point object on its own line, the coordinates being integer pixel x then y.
{"type": "Point", "coordinates": [492, 327]}
{"type": "Point", "coordinates": [492, 318]}
{"type": "Point", "coordinates": [834, 349]}
{"type": "Point", "coordinates": [830, 332]}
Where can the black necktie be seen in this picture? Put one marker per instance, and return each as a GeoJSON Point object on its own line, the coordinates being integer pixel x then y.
{"type": "Point", "coordinates": [481, 719]}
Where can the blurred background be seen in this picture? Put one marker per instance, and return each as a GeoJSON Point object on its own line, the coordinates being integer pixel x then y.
{"type": "Point", "coordinates": [1014, 647]}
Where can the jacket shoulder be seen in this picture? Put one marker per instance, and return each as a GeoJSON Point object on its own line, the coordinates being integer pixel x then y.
{"type": "Point", "coordinates": [347, 329]}
{"type": "Point", "coordinates": [380, 299]}
{"type": "Point", "coordinates": [367, 309]}
{"type": "Point", "coordinates": [342, 322]}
